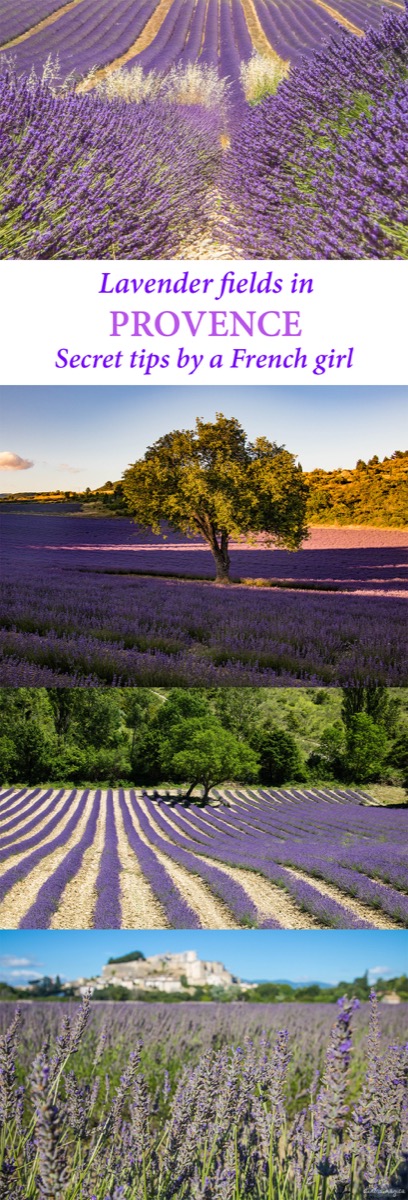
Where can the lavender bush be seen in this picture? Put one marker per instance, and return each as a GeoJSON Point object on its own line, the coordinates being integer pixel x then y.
{"type": "Point", "coordinates": [82, 177]}
{"type": "Point", "coordinates": [222, 1105]}
{"type": "Point", "coordinates": [320, 170]}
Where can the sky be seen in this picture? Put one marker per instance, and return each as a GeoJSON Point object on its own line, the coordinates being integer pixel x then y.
{"type": "Point", "coordinates": [325, 956]}
{"type": "Point", "coordinates": [77, 437]}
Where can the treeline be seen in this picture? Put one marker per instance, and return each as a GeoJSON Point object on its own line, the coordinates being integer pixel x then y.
{"type": "Point", "coordinates": [264, 993]}
{"type": "Point", "coordinates": [203, 737]}
{"type": "Point", "coordinates": [374, 493]}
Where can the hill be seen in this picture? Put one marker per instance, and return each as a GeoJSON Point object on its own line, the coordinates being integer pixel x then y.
{"type": "Point", "coordinates": [374, 493]}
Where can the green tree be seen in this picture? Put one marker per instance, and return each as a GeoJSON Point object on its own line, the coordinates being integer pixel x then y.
{"type": "Point", "coordinates": [238, 709]}
{"type": "Point", "coordinates": [34, 753]}
{"type": "Point", "coordinates": [372, 699]}
{"type": "Point", "coordinates": [213, 482]}
{"type": "Point", "coordinates": [366, 747]}
{"type": "Point", "coordinates": [8, 760]}
{"type": "Point", "coordinates": [97, 717]}
{"type": "Point", "coordinates": [279, 756]}
{"type": "Point", "coordinates": [145, 759]}
{"type": "Point", "coordinates": [398, 756]}
{"type": "Point", "coordinates": [203, 753]}
{"type": "Point", "coordinates": [329, 758]}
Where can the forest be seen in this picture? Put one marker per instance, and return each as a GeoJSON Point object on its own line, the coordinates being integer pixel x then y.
{"type": "Point", "coordinates": [192, 737]}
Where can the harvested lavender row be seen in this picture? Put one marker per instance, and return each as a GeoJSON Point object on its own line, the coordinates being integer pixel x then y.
{"type": "Point", "coordinates": [178, 912]}
{"type": "Point", "coordinates": [41, 912]}
{"type": "Point", "coordinates": [107, 913]}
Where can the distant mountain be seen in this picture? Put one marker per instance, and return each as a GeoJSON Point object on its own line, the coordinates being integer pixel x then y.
{"type": "Point", "coordinates": [296, 983]}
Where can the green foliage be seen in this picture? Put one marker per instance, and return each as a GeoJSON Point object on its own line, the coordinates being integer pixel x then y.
{"type": "Point", "coordinates": [211, 481]}
{"type": "Point", "coordinates": [132, 956]}
{"type": "Point", "coordinates": [279, 756]}
{"type": "Point", "coordinates": [105, 737]}
{"type": "Point", "coordinates": [206, 754]}
{"type": "Point", "coordinates": [374, 493]}
{"type": "Point", "coordinates": [329, 759]}
{"type": "Point", "coordinates": [366, 746]}
{"type": "Point", "coordinates": [357, 752]}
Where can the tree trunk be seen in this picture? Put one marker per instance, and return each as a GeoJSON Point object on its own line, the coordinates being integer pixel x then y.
{"type": "Point", "coordinates": [218, 545]}
{"type": "Point", "coordinates": [222, 560]}
{"type": "Point", "coordinates": [186, 800]}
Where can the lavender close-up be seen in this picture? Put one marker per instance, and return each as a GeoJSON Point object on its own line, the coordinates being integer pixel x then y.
{"type": "Point", "coordinates": [142, 1103]}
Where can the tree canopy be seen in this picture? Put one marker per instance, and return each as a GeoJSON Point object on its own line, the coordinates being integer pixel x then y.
{"type": "Point", "coordinates": [210, 480]}
{"type": "Point", "coordinates": [153, 737]}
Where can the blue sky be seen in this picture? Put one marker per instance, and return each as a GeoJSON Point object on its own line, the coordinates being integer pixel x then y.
{"type": "Point", "coordinates": [252, 954]}
{"type": "Point", "coordinates": [79, 437]}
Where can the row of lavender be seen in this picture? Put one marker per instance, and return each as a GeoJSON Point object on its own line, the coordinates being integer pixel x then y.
{"type": "Point", "coordinates": [94, 33]}
{"type": "Point", "coordinates": [269, 834]}
{"type": "Point", "coordinates": [69, 627]}
{"type": "Point", "coordinates": [122, 1102]}
{"type": "Point", "coordinates": [268, 841]}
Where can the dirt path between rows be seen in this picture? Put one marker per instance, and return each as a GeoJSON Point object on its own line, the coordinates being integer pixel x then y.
{"type": "Point", "coordinates": [258, 37]}
{"type": "Point", "coordinates": [141, 909]}
{"type": "Point", "coordinates": [53, 17]}
{"type": "Point", "coordinates": [211, 912]}
{"type": "Point", "coordinates": [14, 858]}
{"type": "Point", "coordinates": [269, 899]}
{"type": "Point", "coordinates": [144, 40]}
{"type": "Point", "coordinates": [76, 907]}
{"type": "Point", "coordinates": [23, 817]}
{"type": "Point", "coordinates": [20, 897]}
{"type": "Point", "coordinates": [364, 911]}
{"type": "Point", "coordinates": [338, 16]}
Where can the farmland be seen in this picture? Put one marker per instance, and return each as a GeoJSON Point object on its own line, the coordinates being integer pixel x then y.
{"type": "Point", "coordinates": [297, 858]}
{"type": "Point", "coordinates": [92, 35]}
{"type": "Point", "coordinates": [243, 100]}
{"type": "Point", "coordinates": [228, 1101]}
{"type": "Point", "coordinates": [81, 605]}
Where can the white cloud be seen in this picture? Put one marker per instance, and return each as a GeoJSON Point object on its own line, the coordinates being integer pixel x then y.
{"type": "Point", "coordinates": [13, 462]}
{"type": "Point", "coordinates": [20, 973]}
{"type": "Point", "coordinates": [377, 972]}
{"type": "Point", "coordinates": [11, 960]}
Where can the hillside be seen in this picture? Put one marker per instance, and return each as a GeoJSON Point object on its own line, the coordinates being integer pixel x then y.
{"type": "Point", "coordinates": [372, 493]}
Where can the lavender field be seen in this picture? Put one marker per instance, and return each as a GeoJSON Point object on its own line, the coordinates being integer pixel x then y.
{"type": "Point", "coordinates": [81, 605]}
{"type": "Point", "coordinates": [208, 1102]}
{"type": "Point", "coordinates": [272, 859]}
{"type": "Point", "coordinates": [242, 102]}
{"type": "Point", "coordinates": [93, 34]}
